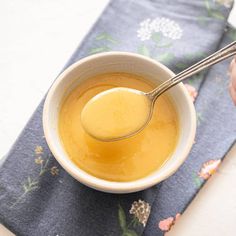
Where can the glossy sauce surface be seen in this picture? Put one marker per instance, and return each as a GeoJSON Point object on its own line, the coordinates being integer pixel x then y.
{"type": "Point", "coordinates": [125, 111]}
{"type": "Point", "coordinates": [124, 160]}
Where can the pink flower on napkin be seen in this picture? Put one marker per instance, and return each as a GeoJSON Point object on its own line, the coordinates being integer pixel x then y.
{"type": "Point", "coordinates": [192, 91]}
{"type": "Point", "coordinates": [209, 168]}
{"type": "Point", "coordinates": [166, 224]}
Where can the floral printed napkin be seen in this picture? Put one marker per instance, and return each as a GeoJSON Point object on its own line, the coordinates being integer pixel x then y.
{"type": "Point", "coordinates": [37, 197]}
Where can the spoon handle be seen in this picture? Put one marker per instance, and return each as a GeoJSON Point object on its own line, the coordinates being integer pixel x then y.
{"type": "Point", "coordinates": [214, 58]}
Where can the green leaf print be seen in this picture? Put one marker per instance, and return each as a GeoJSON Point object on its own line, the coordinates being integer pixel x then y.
{"type": "Point", "coordinates": [28, 187]}
{"type": "Point", "coordinates": [202, 20]}
{"type": "Point", "coordinates": [216, 14]}
{"type": "Point", "coordinates": [143, 50]}
{"type": "Point", "coordinates": [43, 167]}
{"type": "Point", "coordinates": [199, 118]}
{"type": "Point", "coordinates": [129, 232]}
{"type": "Point", "coordinates": [232, 34]}
{"type": "Point", "coordinates": [156, 37]}
{"type": "Point", "coordinates": [135, 222]}
{"type": "Point", "coordinates": [33, 183]}
{"type": "Point", "coordinates": [196, 77]}
{"type": "Point", "coordinates": [99, 49]}
{"type": "Point", "coordinates": [104, 43]}
{"type": "Point", "coordinates": [128, 228]}
{"type": "Point", "coordinates": [207, 5]}
{"type": "Point", "coordinates": [197, 181]}
{"type": "Point", "coordinates": [212, 12]}
{"type": "Point", "coordinates": [25, 187]}
{"type": "Point", "coordinates": [122, 218]}
{"type": "Point", "coordinates": [181, 65]}
{"type": "Point", "coordinates": [165, 57]}
{"type": "Point", "coordinates": [166, 45]}
{"type": "Point", "coordinates": [106, 36]}
{"type": "Point", "coordinates": [193, 56]}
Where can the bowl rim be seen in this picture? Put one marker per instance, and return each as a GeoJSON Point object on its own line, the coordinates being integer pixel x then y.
{"type": "Point", "coordinates": [101, 184]}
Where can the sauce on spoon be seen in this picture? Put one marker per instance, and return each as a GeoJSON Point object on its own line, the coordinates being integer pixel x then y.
{"type": "Point", "coordinates": [115, 113]}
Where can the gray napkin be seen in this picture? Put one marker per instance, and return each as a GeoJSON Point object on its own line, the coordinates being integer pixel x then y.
{"type": "Point", "coordinates": [37, 197]}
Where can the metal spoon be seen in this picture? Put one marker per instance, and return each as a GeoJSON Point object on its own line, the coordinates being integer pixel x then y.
{"type": "Point", "coordinates": [214, 58]}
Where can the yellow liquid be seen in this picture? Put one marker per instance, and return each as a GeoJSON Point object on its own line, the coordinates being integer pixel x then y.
{"type": "Point", "coordinates": [124, 160]}
{"type": "Point", "coordinates": [125, 111]}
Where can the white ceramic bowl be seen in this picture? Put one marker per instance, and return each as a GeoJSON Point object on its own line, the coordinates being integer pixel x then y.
{"type": "Point", "coordinates": [118, 62]}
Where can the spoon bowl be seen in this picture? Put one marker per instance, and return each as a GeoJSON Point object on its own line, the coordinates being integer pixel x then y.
{"type": "Point", "coordinates": [118, 106]}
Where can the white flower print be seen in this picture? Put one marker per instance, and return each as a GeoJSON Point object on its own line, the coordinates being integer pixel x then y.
{"type": "Point", "coordinates": [167, 27]}
{"type": "Point", "coordinates": [141, 210]}
{"type": "Point", "coordinates": [145, 31]}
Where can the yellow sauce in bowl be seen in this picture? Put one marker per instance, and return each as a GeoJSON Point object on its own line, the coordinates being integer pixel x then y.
{"type": "Point", "coordinates": [128, 159]}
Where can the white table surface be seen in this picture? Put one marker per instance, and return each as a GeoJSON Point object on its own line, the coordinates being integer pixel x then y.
{"type": "Point", "coordinates": [37, 38]}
